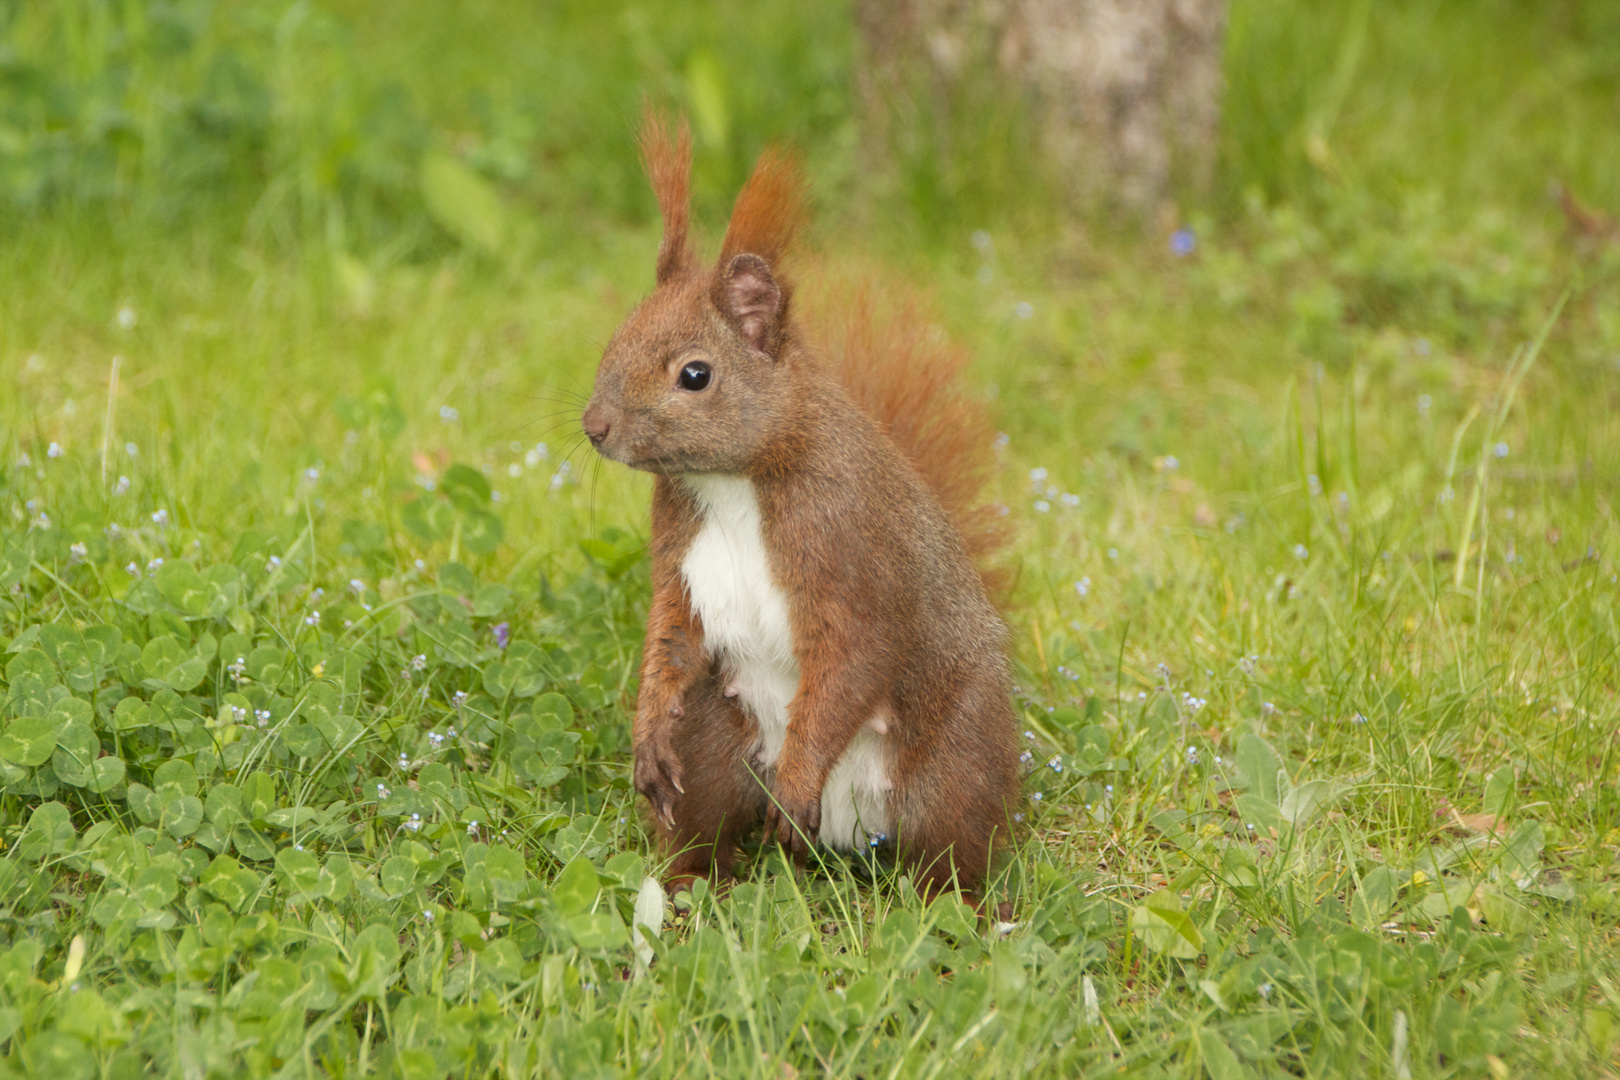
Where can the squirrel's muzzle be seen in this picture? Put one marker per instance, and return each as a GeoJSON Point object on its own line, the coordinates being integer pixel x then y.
{"type": "Point", "coordinates": [597, 423]}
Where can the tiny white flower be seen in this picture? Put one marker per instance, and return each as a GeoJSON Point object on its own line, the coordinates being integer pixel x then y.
{"type": "Point", "coordinates": [133, 569]}
{"type": "Point", "coordinates": [1024, 309]}
{"type": "Point", "coordinates": [54, 450]}
{"type": "Point", "coordinates": [1042, 506]}
{"type": "Point", "coordinates": [419, 662]}
{"type": "Point", "coordinates": [160, 518]}
{"type": "Point", "coordinates": [122, 487]}
{"type": "Point", "coordinates": [127, 318]}
{"type": "Point", "coordinates": [1037, 475]}
{"type": "Point", "coordinates": [79, 552]}
{"type": "Point", "coordinates": [1500, 450]}
{"type": "Point", "coordinates": [1301, 552]}
{"type": "Point", "coordinates": [448, 413]}
{"type": "Point", "coordinates": [313, 619]}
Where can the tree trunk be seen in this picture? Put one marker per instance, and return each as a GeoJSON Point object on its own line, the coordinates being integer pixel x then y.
{"type": "Point", "coordinates": [1125, 93]}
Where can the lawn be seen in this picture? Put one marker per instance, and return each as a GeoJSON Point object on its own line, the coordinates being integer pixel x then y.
{"type": "Point", "coordinates": [320, 627]}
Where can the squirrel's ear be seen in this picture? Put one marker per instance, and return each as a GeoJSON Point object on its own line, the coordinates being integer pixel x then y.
{"type": "Point", "coordinates": [668, 157]}
{"type": "Point", "coordinates": [749, 297]}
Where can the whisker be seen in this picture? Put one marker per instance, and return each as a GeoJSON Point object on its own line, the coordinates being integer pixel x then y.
{"type": "Point", "coordinates": [596, 478]}
{"type": "Point", "coordinates": [548, 430]}
{"type": "Point", "coordinates": [569, 397]}
{"type": "Point", "coordinates": [559, 412]}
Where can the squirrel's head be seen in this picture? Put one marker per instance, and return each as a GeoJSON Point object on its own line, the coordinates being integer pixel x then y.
{"type": "Point", "coordinates": [697, 378]}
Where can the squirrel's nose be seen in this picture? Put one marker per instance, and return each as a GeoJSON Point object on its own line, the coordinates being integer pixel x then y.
{"type": "Point", "coordinates": [596, 424]}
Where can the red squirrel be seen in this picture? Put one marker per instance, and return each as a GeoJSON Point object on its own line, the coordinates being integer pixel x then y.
{"type": "Point", "coordinates": [821, 656]}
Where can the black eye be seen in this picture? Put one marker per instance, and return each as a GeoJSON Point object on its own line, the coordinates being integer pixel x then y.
{"type": "Point", "coordinates": [695, 376]}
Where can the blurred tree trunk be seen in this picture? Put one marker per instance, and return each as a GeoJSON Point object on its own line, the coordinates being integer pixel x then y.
{"type": "Point", "coordinates": [1125, 93]}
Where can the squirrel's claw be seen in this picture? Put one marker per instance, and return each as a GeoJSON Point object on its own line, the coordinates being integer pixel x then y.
{"type": "Point", "coordinates": [657, 776]}
{"type": "Point", "coordinates": [795, 827]}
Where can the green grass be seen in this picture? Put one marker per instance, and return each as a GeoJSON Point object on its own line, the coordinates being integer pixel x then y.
{"type": "Point", "coordinates": [1315, 621]}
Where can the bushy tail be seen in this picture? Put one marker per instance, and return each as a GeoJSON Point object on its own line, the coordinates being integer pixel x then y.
{"type": "Point", "coordinates": [900, 367]}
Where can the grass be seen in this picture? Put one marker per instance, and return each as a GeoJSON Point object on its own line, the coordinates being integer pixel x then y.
{"type": "Point", "coordinates": [1315, 622]}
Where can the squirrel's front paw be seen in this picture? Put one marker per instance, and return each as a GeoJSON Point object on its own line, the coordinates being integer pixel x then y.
{"type": "Point", "coordinates": [658, 775]}
{"type": "Point", "coordinates": [793, 820]}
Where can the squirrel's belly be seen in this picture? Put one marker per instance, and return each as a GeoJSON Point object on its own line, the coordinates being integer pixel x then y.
{"type": "Point", "coordinates": [745, 623]}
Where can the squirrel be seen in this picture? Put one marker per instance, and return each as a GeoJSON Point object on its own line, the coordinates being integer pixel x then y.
{"type": "Point", "coordinates": [822, 656]}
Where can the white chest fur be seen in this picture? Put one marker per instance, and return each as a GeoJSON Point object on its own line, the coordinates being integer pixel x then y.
{"type": "Point", "coordinates": [745, 623]}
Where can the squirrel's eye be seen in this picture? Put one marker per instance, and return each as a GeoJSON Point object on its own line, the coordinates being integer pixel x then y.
{"type": "Point", "coordinates": [694, 376]}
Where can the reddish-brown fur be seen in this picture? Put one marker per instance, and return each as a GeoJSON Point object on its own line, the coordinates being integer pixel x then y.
{"type": "Point", "coordinates": [868, 463]}
{"type": "Point", "coordinates": [916, 393]}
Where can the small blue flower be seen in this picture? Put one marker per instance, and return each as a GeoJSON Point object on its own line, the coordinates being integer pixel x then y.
{"type": "Point", "coordinates": [1182, 243]}
{"type": "Point", "coordinates": [503, 634]}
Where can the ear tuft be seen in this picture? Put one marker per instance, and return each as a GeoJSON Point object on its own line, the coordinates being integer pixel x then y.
{"type": "Point", "coordinates": [769, 211]}
{"type": "Point", "coordinates": [667, 156]}
{"type": "Point", "coordinates": [749, 297]}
